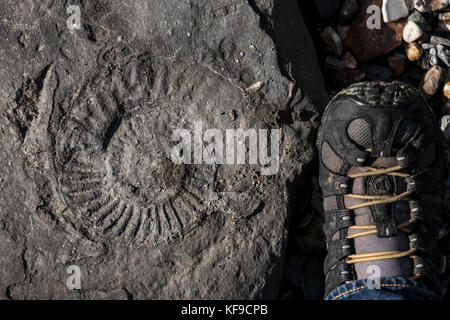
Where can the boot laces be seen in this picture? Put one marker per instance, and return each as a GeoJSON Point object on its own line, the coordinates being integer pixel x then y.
{"type": "Point", "coordinates": [371, 229]}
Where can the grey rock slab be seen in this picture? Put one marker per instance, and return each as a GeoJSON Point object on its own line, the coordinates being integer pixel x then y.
{"type": "Point", "coordinates": [87, 117]}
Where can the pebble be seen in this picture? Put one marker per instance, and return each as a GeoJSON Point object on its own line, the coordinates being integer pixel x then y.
{"type": "Point", "coordinates": [348, 11]}
{"type": "Point", "coordinates": [343, 31]}
{"type": "Point", "coordinates": [444, 22]}
{"type": "Point", "coordinates": [432, 80]}
{"type": "Point", "coordinates": [368, 43]}
{"type": "Point", "coordinates": [393, 10]}
{"type": "Point", "coordinates": [413, 51]}
{"type": "Point", "coordinates": [350, 60]}
{"type": "Point", "coordinates": [332, 39]}
{"type": "Point", "coordinates": [443, 54]}
{"type": "Point", "coordinates": [439, 40]}
{"type": "Point", "coordinates": [418, 18]}
{"type": "Point", "coordinates": [430, 5]}
{"type": "Point", "coordinates": [397, 65]}
{"type": "Point", "coordinates": [433, 56]}
{"type": "Point", "coordinates": [412, 32]}
{"type": "Point", "coordinates": [447, 90]}
{"type": "Point", "coordinates": [445, 127]}
{"type": "Point", "coordinates": [334, 62]}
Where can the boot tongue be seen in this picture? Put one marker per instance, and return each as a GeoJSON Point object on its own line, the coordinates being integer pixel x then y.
{"type": "Point", "coordinates": [380, 185]}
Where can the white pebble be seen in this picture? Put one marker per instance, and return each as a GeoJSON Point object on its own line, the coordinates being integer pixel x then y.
{"type": "Point", "coordinates": [412, 32]}
{"type": "Point", "coordinates": [393, 10]}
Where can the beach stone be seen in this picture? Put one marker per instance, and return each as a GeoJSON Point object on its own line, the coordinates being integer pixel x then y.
{"type": "Point", "coordinates": [87, 116]}
{"type": "Point", "coordinates": [369, 43]}
{"type": "Point", "coordinates": [348, 11]}
{"type": "Point", "coordinates": [417, 17]}
{"type": "Point", "coordinates": [343, 30]}
{"type": "Point", "coordinates": [446, 90]}
{"type": "Point", "coordinates": [332, 39]}
{"type": "Point", "coordinates": [445, 20]}
{"type": "Point", "coordinates": [443, 54]}
{"type": "Point", "coordinates": [412, 32]}
{"type": "Point", "coordinates": [430, 5]}
{"type": "Point", "coordinates": [335, 62]}
{"type": "Point", "coordinates": [432, 80]}
{"type": "Point", "coordinates": [394, 10]}
{"type": "Point", "coordinates": [413, 51]}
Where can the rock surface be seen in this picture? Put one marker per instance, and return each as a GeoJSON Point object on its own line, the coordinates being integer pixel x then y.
{"type": "Point", "coordinates": [85, 172]}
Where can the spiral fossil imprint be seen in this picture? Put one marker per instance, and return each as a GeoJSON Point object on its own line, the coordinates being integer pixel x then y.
{"type": "Point", "coordinates": [113, 147]}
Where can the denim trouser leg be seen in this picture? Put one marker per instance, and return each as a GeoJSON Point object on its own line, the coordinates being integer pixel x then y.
{"type": "Point", "coordinates": [392, 288]}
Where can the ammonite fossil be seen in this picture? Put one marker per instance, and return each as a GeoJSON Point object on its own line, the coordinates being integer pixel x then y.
{"type": "Point", "coordinates": [115, 173]}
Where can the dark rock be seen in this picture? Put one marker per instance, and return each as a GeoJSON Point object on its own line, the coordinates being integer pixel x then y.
{"type": "Point", "coordinates": [377, 72]}
{"type": "Point", "coordinates": [343, 31]}
{"type": "Point", "coordinates": [335, 62]}
{"type": "Point", "coordinates": [412, 76]}
{"type": "Point", "coordinates": [327, 8]}
{"type": "Point", "coordinates": [348, 11]}
{"type": "Point", "coordinates": [85, 164]}
{"type": "Point", "coordinates": [296, 49]}
{"type": "Point", "coordinates": [417, 17]}
{"type": "Point", "coordinates": [332, 39]}
{"type": "Point", "coordinates": [369, 43]}
{"type": "Point", "coordinates": [397, 65]}
{"type": "Point", "coordinates": [443, 54]}
{"type": "Point", "coordinates": [425, 62]}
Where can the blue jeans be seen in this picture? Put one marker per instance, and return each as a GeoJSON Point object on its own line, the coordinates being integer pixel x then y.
{"type": "Point", "coordinates": [392, 288]}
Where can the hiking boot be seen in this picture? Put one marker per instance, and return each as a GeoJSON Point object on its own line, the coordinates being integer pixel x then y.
{"type": "Point", "coordinates": [382, 175]}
